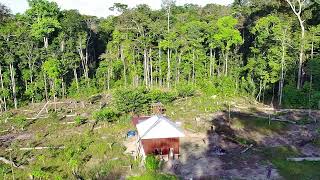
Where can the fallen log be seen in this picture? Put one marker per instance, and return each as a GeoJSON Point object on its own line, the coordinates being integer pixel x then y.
{"type": "Point", "coordinates": [304, 159]}
{"type": "Point", "coordinates": [36, 148]}
{"type": "Point", "coordinates": [245, 150]}
{"type": "Point", "coordinates": [283, 120]}
{"type": "Point", "coordinates": [71, 115]}
{"type": "Point", "coordinates": [72, 122]}
{"type": "Point", "coordinates": [11, 163]}
{"type": "Point", "coordinates": [274, 119]}
{"type": "Point", "coordinates": [43, 108]}
{"type": "Point", "coordinates": [7, 130]}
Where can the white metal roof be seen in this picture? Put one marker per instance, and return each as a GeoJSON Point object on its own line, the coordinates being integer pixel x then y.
{"type": "Point", "coordinates": [158, 127]}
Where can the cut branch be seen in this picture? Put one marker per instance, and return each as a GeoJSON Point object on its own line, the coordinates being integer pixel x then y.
{"type": "Point", "coordinates": [36, 148]}
{"type": "Point", "coordinates": [304, 159]}
{"type": "Point", "coordinates": [11, 163]}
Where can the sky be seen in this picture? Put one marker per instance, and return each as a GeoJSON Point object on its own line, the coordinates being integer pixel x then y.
{"type": "Point", "coordinates": [100, 8]}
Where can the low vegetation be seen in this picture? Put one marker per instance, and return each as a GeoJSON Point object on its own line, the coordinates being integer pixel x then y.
{"type": "Point", "coordinates": [199, 62]}
{"type": "Point", "coordinates": [288, 169]}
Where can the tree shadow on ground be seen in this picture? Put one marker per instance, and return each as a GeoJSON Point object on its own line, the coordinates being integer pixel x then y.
{"type": "Point", "coordinates": [223, 153]}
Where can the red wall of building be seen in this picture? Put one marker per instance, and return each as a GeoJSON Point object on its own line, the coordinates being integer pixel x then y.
{"type": "Point", "coordinates": [149, 145]}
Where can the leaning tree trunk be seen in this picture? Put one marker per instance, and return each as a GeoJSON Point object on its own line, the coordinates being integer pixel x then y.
{"type": "Point", "coordinates": [301, 56]}
{"type": "Point", "coordinates": [13, 83]}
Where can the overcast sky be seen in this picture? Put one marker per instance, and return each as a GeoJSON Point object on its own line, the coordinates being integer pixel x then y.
{"type": "Point", "coordinates": [100, 8]}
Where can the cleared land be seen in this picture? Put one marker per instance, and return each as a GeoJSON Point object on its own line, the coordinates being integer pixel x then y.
{"type": "Point", "coordinates": [241, 142]}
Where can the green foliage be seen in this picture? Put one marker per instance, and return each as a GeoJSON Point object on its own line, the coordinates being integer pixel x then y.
{"type": "Point", "coordinates": [185, 90]}
{"type": "Point", "coordinates": [153, 176]}
{"type": "Point", "coordinates": [290, 169]}
{"type": "Point", "coordinates": [106, 114]}
{"type": "Point", "coordinates": [130, 99]}
{"type": "Point", "coordinates": [20, 121]}
{"type": "Point", "coordinates": [294, 98]}
{"type": "Point", "coordinates": [139, 99]}
{"type": "Point", "coordinates": [158, 95]}
{"type": "Point", "coordinates": [225, 86]}
{"type": "Point", "coordinates": [79, 120]}
{"type": "Point", "coordinates": [152, 163]}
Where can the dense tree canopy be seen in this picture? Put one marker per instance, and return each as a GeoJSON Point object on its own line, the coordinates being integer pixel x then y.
{"type": "Point", "coordinates": [268, 49]}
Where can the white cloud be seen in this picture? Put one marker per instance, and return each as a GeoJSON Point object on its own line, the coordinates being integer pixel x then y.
{"type": "Point", "coordinates": [100, 8]}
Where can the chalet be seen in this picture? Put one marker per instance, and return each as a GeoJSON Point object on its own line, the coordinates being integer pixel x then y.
{"type": "Point", "coordinates": [159, 136]}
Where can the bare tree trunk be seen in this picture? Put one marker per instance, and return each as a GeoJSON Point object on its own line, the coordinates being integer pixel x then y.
{"type": "Point", "coordinates": [193, 68]}
{"type": "Point", "coordinates": [76, 78]}
{"type": "Point", "coordinates": [145, 67]}
{"type": "Point", "coordinates": [260, 90]}
{"type": "Point", "coordinates": [31, 65]}
{"type": "Point", "coordinates": [108, 79]}
{"type": "Point", "coordinates": [179, 64]}
{"type": "Point", "coordinates": [124, 65]}
{"type": "Point", "coordinates": [45, 42]}
{"type": "Point", "coordinates": [63, 88]}
{"type": "Point", "coordinates": [54, 94]}
{"type": "Point", "coordinates": [226, 64]}
{"type": "Point", "coordinates": [86, 66]}
{"type": "Point", "coordinates": [210, 66]}
{"type": "Point", "coordinates": [45, 86]}
{"type": "Point", "coordinates": [160, 72]}
{"type": "Point", "coordinates": [84, 60]}
{"type": "Point", "coordinates": [2, 87]}
{"type": "Point", "coordinates": [151, 68]}
{"type": "Point", "coordinates": [148, 69]}
{"type": "Point", "coordinates": [169, 68]}
{"type": "Point", "coordinates": [281, 80]}
{"type": "Point", "coordinates": [299, 83]}
{"type": "Point", "coordinates": [13, 83]}
{"type": "Point", "coordinates": [297, 11]}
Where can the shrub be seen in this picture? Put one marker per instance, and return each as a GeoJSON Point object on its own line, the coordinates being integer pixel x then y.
{"type": "Point", "coordinates": [157, 95]}
{"type": "Point", "coordinates": [20, 121]}
{"type": "Point", "coordinates": [130, 99]}
{"type": "Point", "coordinates": [185, 90]}
{"type": "Point", "coordinates": [294, 98]}
{"type": "Point", "coordinates": [85, 89]}
{"type": "Point", "coordinates": [153, 176]}
{"type": "Point", "coordinates": [79, 120]}
{"type": "Point", "coordinates": [152, 163]}
{"type": "Point", "coordinates": [106, 114]}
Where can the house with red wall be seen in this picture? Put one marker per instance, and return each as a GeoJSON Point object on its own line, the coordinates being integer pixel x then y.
{"type": "Point", "coordinates": [158, 135]}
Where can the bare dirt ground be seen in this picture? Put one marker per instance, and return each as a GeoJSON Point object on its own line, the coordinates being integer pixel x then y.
{"type": "Point", "coordinates": [202, 158]}
{"type": "Point", "coordinates": [216, 155]}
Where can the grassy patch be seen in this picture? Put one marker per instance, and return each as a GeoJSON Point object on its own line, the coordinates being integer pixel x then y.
{"type": "Point", "coordinates": [258, 124]}
{"type": "Point", "coordinates": [292, 170]}
{"type": "Point", "coordinates": [89, 154]}
{"type": "Point", "coordinates": [153, 176]}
